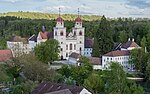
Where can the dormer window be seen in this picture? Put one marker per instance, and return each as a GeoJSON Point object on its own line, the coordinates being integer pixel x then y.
{"type": "Point", "coordinates": [80, 33]}
{"type": "Point", "coordinates": [61, 33]}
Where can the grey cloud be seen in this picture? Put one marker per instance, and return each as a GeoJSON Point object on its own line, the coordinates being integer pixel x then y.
{"type": "Point", "coordinates": [139, 3]}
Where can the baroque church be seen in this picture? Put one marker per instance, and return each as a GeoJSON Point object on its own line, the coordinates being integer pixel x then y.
{"type": "Point", "coordinates": [69, 42]}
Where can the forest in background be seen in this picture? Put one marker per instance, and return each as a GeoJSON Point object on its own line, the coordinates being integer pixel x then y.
{"type": "Point", "coordinates": [25, 24]}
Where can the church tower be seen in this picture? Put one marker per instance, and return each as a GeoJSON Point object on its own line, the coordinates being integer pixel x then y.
{"type": "Point", "coordinates": [80, 32]}
{"type": "Point", "coordinates": [60, 35]}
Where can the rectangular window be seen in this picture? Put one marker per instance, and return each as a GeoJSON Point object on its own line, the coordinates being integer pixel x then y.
{"type": "Point", "coordinates": [74, 47]}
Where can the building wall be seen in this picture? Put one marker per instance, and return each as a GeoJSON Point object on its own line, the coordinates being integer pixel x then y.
{"type": "Point", "coordinates": [88, 52]}
{"type": "Point", "coordinates": [85, 91]}
{"type": "Point", "coordinates": [123, 60]}
{"type": "Point", "coordinates": [19, 48]}
{"type": "Point", "coordinates": [72, 43]}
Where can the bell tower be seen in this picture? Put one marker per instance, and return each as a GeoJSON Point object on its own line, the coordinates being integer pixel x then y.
{"type": "Point", "coordinates": [79, 31]}
{"type": "Point", "coordinates": [60, 35]}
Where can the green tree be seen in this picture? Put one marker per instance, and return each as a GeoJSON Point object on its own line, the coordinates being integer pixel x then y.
{"type": "Point", "coordinates": [139, 59]}
{"type": "Point", "coordinates": [123, 36]}
{"type": "Point", "coordinates": [104, 36]}
{"type": "Point", "coordinates": [148, 42]}
{"type": "Point", "coordinates": [95, 51]}
{"type": "Point", "coordinates": [47, 52]}
{"type": "Point", "coordinates": [2, 44]}
{"type": "Point", "coordinates": [94, 83]}
{"type": "Point", "coordinates": [80, 73]}
{"type": "Point", "coordinates": [148, 70]}
{"type": "Point", "coordinates": [143, 42]}
{"type": "Point", "coordinates": [117, 82]}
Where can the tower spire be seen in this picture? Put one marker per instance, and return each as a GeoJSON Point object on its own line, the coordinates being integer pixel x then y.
{"type": "Point", "coordinates": [59, 12]}
{"type": "Point", "coordinates": [78, 12]}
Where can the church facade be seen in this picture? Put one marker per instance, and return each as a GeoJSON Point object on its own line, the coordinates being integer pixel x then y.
{"type": "Point", "coordinates": [69, 42]}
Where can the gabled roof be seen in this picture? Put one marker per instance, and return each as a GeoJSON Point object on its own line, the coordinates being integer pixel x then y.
{"type": "Point", "coordinates": [75, 55]}
{"type": "Point", "coordinates": [117, 46]}
{"type": "Point", "coordinates": [88, 43]}
{"type": "Point", "coordinates": [33, 38]}
{"type": "Point", "coordinates": [130, 44]}
{"type": "Point", "coordinates": [18, 39]}
{"type": "Point", "coordinates": [95, 60]}
{"type": "Point", "coordinates": [117, 53]}
{"type": "Point", "coordinates": [64, 91]}
{"type": "Point", "coordinates": [5, 55]}
{"type": "Point", "coordinates": [47, 87]}
{"type": "Point", "coordinates": [46, 35]}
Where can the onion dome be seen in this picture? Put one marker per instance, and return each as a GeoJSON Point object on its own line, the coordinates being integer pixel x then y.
{"type": "Point", "coordinates": [59, 19]}
{"type": "Point", "coordinates": [78, 19]}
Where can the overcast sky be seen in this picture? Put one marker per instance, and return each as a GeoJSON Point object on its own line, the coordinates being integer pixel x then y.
{"type": "Point", "coordinates": [109, 8]}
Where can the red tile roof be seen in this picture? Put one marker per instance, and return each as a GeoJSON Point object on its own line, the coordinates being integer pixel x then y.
{"type": "Point", "coordinates": [130, 44]}
{"type": "Point", "coordinates": [46, 35]}
{"type": "Point", "coordinates": [59, 19]}
{"type": "Point", "coordinates": [47, 87]}
{"type": "Point", "coordinates": [88, 43]}
{"type": "Point", "coordinates": [117, 53]}
{"type": "Point", "coordinates": [95, 60]}
{"type": "Point", "coordinates": [78, 19]}
{"type": "Point", "coordinates": [5, 55]}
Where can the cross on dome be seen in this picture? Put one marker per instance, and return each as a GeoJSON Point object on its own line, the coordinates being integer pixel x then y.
{"type": "Point", "coordinates": [78, 19]}
{"type": "Point", "coordinates": [59, 19]}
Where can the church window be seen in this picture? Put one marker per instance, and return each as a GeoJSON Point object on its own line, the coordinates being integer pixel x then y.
{"type": "Point", "coordinates": [61, 42]}
{"type": "Point", "coordinates": [66, 47]}
{"type": "Point", "coordinates": [74, 47]}
{"type": "Point", "coordinates": [80, 42]}
{"type": "Point", "coordinates": [61, 49]}
{"type": "Point", "coordinates": [66, 54]}
{"type": "Point", "coordinates": [61, 33]}
{"type": "Point", "coordinates": [80, 33]}
{"type": "Point", "coordinates": [70, 46]}
{"type": "Point", "coordinates": [74, 33]}
{"type": "Point", "coordinates": [55, 33]}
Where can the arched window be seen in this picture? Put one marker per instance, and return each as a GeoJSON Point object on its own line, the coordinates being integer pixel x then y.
{"type": "Point", "coordinates": [74, 47]}
{"type": "Point", "coordinates": [66, 54]}
{"type": "Point", "coordinates": [70, 46]}
{"type": "Point", "coordinates": [80, 50]}
{"type": "Point", "coordinates": [74, 33]}
{"type": "Point", "coordinates": [80, 33]}
{"type": "Point", "coordinates": [61, 33]}
{"type": "Point", "coordinates": [55, 33]}
{"type": "Point", "coordinates": [66, 47]}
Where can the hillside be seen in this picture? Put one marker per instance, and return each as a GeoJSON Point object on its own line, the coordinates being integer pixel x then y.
{"type": "Point", "coordinates": [37, 15]}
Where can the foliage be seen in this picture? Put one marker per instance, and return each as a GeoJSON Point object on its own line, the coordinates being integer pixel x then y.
{"type": "Point", "coordinates": [94, 83]}
{"type": "Point", "coordinates": [3, 74]}
{"type": "Point", "coordinates": [2, 44]}
{"type": "Point", "coordinates": [80, 73]}
{"type": "Point", "coordinates": [24, 88]}
{"type": "Point", "coordinates": [117, 83]}
{"type": "Point", "coordinates": [47, 51]}
{"type": "Point", "coordinates": [123, 36]}
{"type": "Point", "coordinates": [36, 15]}
{"type": "Point", "coordinates": [104, 37]}
{"type": "Point", "coordinates": [139, 59]}
{"type": "Point", "coordinates": [77, 73]}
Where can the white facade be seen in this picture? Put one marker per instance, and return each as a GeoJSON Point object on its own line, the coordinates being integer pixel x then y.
{"type": "Point", "coordinates": [19, 48]}
{"type": "Point", "coordinates": [122, 60]}
{"type": "Point", "coordinates": [85, 91]}
{"type": "Point", "coordinates": [73, 42]}
{"type": "Point", "coordinates": [88, 52]}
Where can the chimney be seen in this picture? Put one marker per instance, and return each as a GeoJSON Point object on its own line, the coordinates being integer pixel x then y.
{"type": "Point", "coordinates": [133, 39]}
{"type": "Point", "coordinates": [128, 39]}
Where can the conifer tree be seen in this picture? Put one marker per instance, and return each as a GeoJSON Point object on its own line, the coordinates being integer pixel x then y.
{"type": "Point", "coordinates": [104, 36]}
